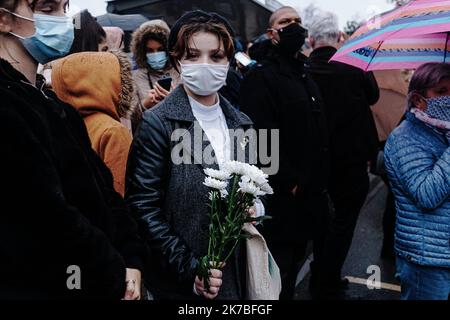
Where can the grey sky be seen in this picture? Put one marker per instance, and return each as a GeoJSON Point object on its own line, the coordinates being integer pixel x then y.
{"type": "Point", "coordinates": [345, 9]}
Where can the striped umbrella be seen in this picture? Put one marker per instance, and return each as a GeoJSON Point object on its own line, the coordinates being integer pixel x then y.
{"type": "Point", "coordinates": [416, 18]}
{"type": "Point", "coordinates": [402, 53]}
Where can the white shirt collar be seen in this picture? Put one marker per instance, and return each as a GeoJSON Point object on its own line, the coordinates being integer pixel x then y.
{"type": "Point", "coordinates": [202, 112]}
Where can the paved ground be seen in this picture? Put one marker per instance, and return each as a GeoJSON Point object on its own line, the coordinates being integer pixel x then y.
{"type": "Point", "coordinates": [365, 252]}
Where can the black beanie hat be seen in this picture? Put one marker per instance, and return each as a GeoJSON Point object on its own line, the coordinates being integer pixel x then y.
{"type": "Point", "coordinates": [196, 16]}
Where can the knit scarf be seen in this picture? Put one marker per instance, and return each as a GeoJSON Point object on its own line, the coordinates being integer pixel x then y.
{"type": "Point", "coordinates": [435, 123]}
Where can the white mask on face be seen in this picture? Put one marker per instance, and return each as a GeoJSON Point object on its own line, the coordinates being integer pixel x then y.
{"type": "Point", "coordinates": [204, 79]}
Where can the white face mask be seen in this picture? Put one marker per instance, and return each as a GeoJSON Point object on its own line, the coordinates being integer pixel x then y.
{"type": "Point", "coordinates": [204, 79]}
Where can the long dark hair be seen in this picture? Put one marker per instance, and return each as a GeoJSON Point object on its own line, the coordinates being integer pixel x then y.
{"type": "Point", "coordinates": [140, 38]}
{"type": "Point", "coordinates": [88, 33]}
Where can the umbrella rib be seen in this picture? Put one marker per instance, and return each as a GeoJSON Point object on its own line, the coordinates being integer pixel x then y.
{"type": "Point", "coordinates": [374, 54]}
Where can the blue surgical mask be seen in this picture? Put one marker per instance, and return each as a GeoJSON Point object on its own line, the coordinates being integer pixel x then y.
{"type": "Point", "coordinates": [53, 37]}
{"type": "Point", "coordinates": [157, 60]}
{"type": "Point", "coordinates": [439, 108]}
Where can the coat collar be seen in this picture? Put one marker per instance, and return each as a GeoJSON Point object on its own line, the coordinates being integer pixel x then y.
{"type": "Point", "coordinates": [177, 107]}
{"type": "Point", "coordinates": [412, 118]}
{"type": "Point", "coordinates": [319, 62]}
{"type": "Point", "coordinates": [323, 53]}
{"type": "Point", "coordinates": [287, 65]}
{"type": "Point", "coordinates": [10, 74]}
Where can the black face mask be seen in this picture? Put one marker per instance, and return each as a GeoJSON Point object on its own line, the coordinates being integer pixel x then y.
{"type": "Point", "coordinates": [292, 38]}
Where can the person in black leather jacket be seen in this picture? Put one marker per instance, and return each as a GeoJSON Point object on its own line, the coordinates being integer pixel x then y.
{"type": "Point", "coordinates": [169, 196]}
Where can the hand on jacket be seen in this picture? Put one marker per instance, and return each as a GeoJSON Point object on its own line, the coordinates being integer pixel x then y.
{"type": "Point", "coordinates": [215, 282]}
{"type": "Point", "coordinates": [133, 281]}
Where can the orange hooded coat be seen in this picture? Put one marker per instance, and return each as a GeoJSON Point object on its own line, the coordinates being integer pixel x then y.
{"type": "Point", "coordinates": [99, 86]}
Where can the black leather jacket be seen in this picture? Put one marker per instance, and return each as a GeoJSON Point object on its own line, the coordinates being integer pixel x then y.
{"type": "Point", "coordinates": [170, 200]}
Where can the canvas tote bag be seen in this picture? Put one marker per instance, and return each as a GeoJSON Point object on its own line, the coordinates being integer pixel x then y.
{"type": "Point", "coordinates": [263, 274]}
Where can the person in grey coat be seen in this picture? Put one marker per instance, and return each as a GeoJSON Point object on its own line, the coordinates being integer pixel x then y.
{"type": "Point", "coordinates": [168, 195]}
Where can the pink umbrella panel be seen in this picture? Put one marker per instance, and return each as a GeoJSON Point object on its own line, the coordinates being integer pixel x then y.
{"type": "Point", "coordinates": [416, 18]}
{"type": "Point", "coordinates": [405, 53]}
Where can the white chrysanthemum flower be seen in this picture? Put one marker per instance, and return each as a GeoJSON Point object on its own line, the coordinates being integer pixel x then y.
{"type": "Point", "coordinates": [224, 193]}
{"type": "Point", "coordinates": [253, 180]}
{"type": "Point", "coordinates": [257, 175]}
{"type": "Point", "coordinates": [249, 188]}
{"type": "Point", "coordinates": [266, 188]}
{"type": "Point", "coordinates": [213, 195]}
{"type": "Point", "coordinates": [222, 175]}
{"type": "Point", "coordinates": [235, 167]}
{"type": "Point", "coordinates": [215, 184]}
{"type": "Point", "coordinates": [263, 189]}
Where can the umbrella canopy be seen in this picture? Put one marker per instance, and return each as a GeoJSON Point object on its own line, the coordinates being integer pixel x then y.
{"type": "Point", "coordinates": [416, 18]}
{"type": "Point", "coordinates": [126, 22]}
{"type": "Point", "coordinates": [248, 17]}
{"type": "Point", "coordinates": [403, 53]}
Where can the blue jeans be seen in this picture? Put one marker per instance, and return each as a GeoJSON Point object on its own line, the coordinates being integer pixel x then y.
{"type": "Point", "coordinates": [423, 283]}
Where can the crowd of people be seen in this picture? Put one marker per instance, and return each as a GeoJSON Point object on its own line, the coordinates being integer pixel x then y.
{"type": "Point", "coordinates": [91, 180]}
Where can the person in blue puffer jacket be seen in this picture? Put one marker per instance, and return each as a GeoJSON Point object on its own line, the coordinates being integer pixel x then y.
{"type": "Point", "coordinates": [417, 158]}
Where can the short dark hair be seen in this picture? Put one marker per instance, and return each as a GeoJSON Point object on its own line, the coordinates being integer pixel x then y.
{"type": "Point", "coordinates": [196, 21]}
{"type": "Point", "coordinates": [10, 5]}
{"type": "Point", "coordinates": [88, 33]}
{"type": "Point", "coordinates": [186, 32]}
{"type": "Point", "coordinates": [276, 13]}
{"type": "Point", "coordinates": [427, 76]}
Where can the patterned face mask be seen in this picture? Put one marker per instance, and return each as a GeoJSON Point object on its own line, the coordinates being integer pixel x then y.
{"type": "Point", "coordinates": [437, 113]}
{"type": "Point", "coordinates": [439, 108]}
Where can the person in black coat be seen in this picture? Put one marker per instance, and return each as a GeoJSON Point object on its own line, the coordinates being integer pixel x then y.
{"type": "Point", "coordinates": [348, 93]}
{"type": "Point", "coordinates": [65, 233]}
{"type": "Point", "coordinates": [168, 194]}
{"type": "Point", "coordinates": [232, 88]}
{"type": "Point", "coordinates": [278, 94]}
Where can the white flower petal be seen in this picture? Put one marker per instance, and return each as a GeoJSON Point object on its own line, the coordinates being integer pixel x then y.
{"type": "Point", "coordinates": [257, 175]}
{"type": "Point", "coordinates": [223, 193]}
{"type": "Point", "coordinates": [215, 184]}
{"type": "Point", "coordinates": [266, 188]}
{"type": "Point", "coordinates": [253, 180]}
{"type": "Point", "coordinates": [217, 174]}
{"type": "Point", "coordinates": [235, 167]}
{"type": "Point", "coordinates": [249, 188]}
